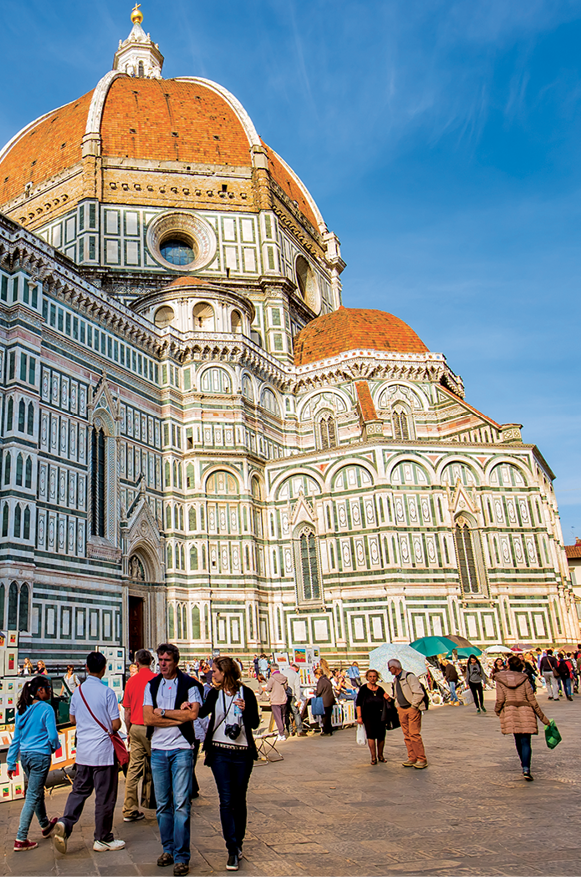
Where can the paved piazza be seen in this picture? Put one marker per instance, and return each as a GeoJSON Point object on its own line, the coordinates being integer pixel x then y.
{"type": "Point", "coordinates": [325, 810]}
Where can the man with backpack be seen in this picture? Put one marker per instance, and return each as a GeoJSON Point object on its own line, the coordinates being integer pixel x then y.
{"type": "Point", "coordinates": [410, 699]}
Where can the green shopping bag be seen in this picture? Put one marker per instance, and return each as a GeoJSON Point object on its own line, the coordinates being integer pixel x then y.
{"type": "Point", "coordinates": [552, 735]}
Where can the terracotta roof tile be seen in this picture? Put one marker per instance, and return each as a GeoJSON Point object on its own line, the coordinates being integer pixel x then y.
{"type": "Point", "coordinates": [573, 551]}
{"type": "Point", "coordinates": [286, 182]}
{"type": "Point", "coordinates": [354, 329]}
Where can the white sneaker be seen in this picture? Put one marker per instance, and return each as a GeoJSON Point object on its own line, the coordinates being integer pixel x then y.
{"type": "Point", "coordinates": [280, 739]}
{"type": "Point", "coordinates": [101, 846]}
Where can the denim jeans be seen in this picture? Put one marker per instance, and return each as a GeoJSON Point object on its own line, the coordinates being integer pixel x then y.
{"type": "Point", "coordinates": [172, 782]}
{"type": "Point", "coordinates": [567, 683]}
{"type": "Point", "coordinates": [232, 769]}
{"type": "Point", "coordinates": [524, 749]}
{"type": "Point", "coordinates": [452, 687]}
{"type": "Point", "coordinates": [36, 766]}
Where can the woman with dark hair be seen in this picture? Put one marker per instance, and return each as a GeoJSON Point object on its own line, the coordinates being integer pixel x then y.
{"type": "Point", "coordinates": [498, 666]}
{"type": "Point", "coordinates": [35, 738]}
{"type": "Point", "coordinates": [369, 705]}
{"type": "Point", "coordinates": [517, 708]}
{"type": "Point", "coordinates": [230, 748]}
{"type": "Point", "coordinates": [475, 678]}
{"type": "Point", "coordinates": [325, 690]}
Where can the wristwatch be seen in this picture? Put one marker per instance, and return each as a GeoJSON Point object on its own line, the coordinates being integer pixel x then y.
{"type": "Point", "coordinates": [162, 713]}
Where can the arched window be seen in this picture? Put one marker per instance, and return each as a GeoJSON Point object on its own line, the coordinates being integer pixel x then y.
{"type": "Point", "coordinates": [203, 317]}
{"type": "Point", "coordinates": [23, 608]}
{"type": "Point", "coordinates": [30, 424]}
{"type": "Point", "coordinates": [196, 622]}
{"type": "Point", "coordinates": [98, 482]}
{"type": "Point", "coordinates": [9, 413]}
{"type": "Point", "coordinates": [168, 518]}
{"type": "Point", "coordinates": [141, 69]}
{"type": "Point", "coordinates": [170, 622]}
{"type": "Point", "coordinates": [167, 474]}
{"type": "Point", "coordinates": [192, 518]}
{"type": "Point", "coordinates": [190, 475]}
{"type": "Point", "coordinates": [7, 466]}
{"type": "Point", "coordinates": [17, 520]}
{"type": "Point", "coordinates": [203, 557]}
{"type": "Point", "coordinates": [21, 415]}
{"type": "Point", "coordinates": [19, 464]}
{"type": "Point", "coordinates": [236, 322]}
{"type": "Point", "coordinates": [13, 606]}
{"type": "Point", "coordinates": [2, 598]}
{"type": "Point", "coordinates": [28, 476]}
{"type": "Point", "coordinates": [269, 402]}
{"type": "Point", "coordinates": [221, 483]}
{"type": "Point", "coordinates": [308, 567]}
{"type": "Point", "coordinates": [180, 631]}
{"type": "Point", "coordinates": [176, 518]}
{"type": "Point", "coordinates": [169, 557]}
{"type": "Point", "coordinates": [327, 432]}
{"type": "Point", "coordinates": [26, 523]}
{"type": "Point", "coordinates": [216, 380]}
{"type": "Point", "coordinates": [401, 427]}
{"type": "Point", "coordinates": [5, 516]}
{"type": "Point", "coordinates": [193, 557]}
{"type": "Point", "coordinates": [469, 557]}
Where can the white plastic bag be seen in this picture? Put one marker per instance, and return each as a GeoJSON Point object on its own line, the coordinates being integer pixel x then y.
{"type": "Point", "coordinates": [361, 735]}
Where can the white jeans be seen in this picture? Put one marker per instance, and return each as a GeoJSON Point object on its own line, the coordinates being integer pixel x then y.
{"type": "Point", "coordinates": [552, 684]}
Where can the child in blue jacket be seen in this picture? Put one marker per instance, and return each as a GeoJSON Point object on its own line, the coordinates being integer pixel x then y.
{"type": "Point", "coordinates": [35, 738]}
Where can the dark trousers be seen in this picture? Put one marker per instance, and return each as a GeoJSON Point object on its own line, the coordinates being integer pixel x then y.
{"type": "Point", "coordinates": [103, 780]}
{"type": "Point", "coordinates": [232, 771]}
{"type": "Point", "coordinates": [524, 749]}
{"type": "Point", "coordinates": [195, 783]}
{"type": "Point", "coordinates": [477, 694]}
{"type": "Point", "coordinates": [327, 726]}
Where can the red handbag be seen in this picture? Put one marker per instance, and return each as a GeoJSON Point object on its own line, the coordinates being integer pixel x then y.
{"type": "Point", "coordinates": [119, 747]}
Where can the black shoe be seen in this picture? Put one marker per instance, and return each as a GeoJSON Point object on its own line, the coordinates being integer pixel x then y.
{"type": "Point", "coordinates": [240, 853]}
{"type": "Point", "coordinates": [164, 860]}
{"type": "Point", "coordinates": [135, 817]}
{"type": "Point", "coordinates": [232, 863]}
{"type": "Point", "coordinates": [528, 775]}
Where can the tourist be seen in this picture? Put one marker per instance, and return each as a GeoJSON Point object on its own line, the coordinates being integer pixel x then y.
{"type": "Point", "coordinates": [133, 670]}
{"type": "Point", "coordinates": [325, 690]}
{"type": "Point", "coordinates": [498, 666]}
{"type": "Point", "coordinates": [263, 667]}
{"type": "Point", "coordinates": [41, 668]}
{"type": "Point", "coordinates": [549, 668]}
{"type": "Point", "coordinates": [354, 674]}
{"type": "Point", "coordinates": [565, 671]}
{"type": "Point", "coordinates": [140, 746]}
{"type": "Point", "coordinates": [230, 749]}
{"type": "Point", "coordinates": [27, 669]}
{"type": "Point", "coordinates": [70, 681]}
{"type": "Point", "coordinates": [170, 704]}
{"type": "Point", "coordinates": [530, 668]}
{"type": "Point", "coordinates": [35, 738]}
{"type": "Point", "coordinates": [410, 701]}
{"type": "Point", "coordinates": [517, 708]}
{"type": "Point", "coordinates": [97, 768]}
{"type": "Point", "coordinates": [452, 678]}
{"type": "Point", "coordinates": [276, 690]}
{"type": "Point", "coordinates": [476, 678]}
{"type": "Point", "coordinates": [369, 706]}
{"type": "Point", "coordinates": [295, 700]}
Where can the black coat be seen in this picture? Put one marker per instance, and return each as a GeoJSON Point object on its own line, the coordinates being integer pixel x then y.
{"type": "Point", "coordinates": [250, 719]}
{"type": "Point", "coordinates": [325, 690]}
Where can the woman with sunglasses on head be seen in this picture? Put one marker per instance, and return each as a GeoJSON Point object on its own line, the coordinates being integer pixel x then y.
{"type": "Point", "coordinates": [230, 748]}
{"type": "Point", "coordinates": [35, 738]}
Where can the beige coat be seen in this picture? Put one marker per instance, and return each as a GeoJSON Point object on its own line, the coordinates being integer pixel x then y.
{"type": "Point", "coordinates": [516, 704]}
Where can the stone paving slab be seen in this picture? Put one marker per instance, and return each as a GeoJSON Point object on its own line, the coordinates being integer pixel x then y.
{"type": "Point", "coordinates": [326, 812]}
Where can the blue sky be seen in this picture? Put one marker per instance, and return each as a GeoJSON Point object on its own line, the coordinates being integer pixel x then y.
{"type": "Point", "coordinates": [440, 139]}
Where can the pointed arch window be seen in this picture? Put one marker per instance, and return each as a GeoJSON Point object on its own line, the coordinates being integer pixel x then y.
{"type": "Point", "coordinates": [307, 566]}
{"type": "Point", "coordinates": [193, 557]}
{"type": "Point", "coordinates": [469, 557]}
{"type": "Point", "coordinates": [19, 464]}
{"type": "Point", "coordinates": [21, 415]}
{"type": "Point", "coordinates": [23, 608]}
{"type": "Point", "coordinates": [13, 606]}
{"type": "Point", "coordinates": [17, 521]}
{"type": "Point", "coordinates": [5, 519]}
{"type": "Point", "coordinates": [401, 425]}
{"type": "Point", "coordinates": [327, 432]}
{"type": "Point", "coordinates": [28, 475]}
{"type": "Point", "coordinates": [26, 523]}
{"type": "Point", "coordinates": [7, 467]}
{"type": "Point", "coordinates": [196, 622]}
{"type": "Point", "coordinates": [192, 518]}
{"type": "Point", "coordinates": [9, 413]}
{"type": "Point", "coordinates": [2, 598]}
{"type": "Point", "coordinates": [30, 424]}
{"type": "Point", "coordinates": [98, 482]}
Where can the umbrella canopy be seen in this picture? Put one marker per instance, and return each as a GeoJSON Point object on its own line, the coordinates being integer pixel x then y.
{"type": "Point", "coordinates": [461, 641]}
{"type": "Point", "coordinates": [465, 653]}
{"type": "Point", "coordinates": [521, 647]}
{"type": "Point", "coordinates": [498, 650]}
{"type": "Point", "coordinates": [408, 658]}
{"type": "Point", "coordinates": [433, 645]}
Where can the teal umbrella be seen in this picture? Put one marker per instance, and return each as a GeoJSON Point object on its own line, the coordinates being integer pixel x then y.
{"type": "Point", "coordinates": [465, 653]}
{"type": "Point", "coordinates": [433, 645]}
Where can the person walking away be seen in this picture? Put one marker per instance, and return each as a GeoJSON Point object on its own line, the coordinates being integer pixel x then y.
{"type": "Point", "coordinates": [35, 738]}
{"type": "Point", "coordinates": [369, 706]}
{"type": "Point", "coordinates": [295, 705]}
{"type": "Point", "coordinates": [354, 674]}
{"type": "Point", "coordinates": [70, 681]}
{"type": "Point", "coordinates": [325, 690]}
{"type": "Point", "coordinates": [531, 670]}
{"type": "Point", "coordinates": [517, 708]}
{"type": "Point", "coordinates": [564, 670]}
{"type": "Point", "coordinates": [475, 678]}
{"type": "Point", "coordinates": [276, 690]}
{"type": "Point", "coordinates": [451, 677]}
{"type": "Point", "coordinates": [409, 699]}
{"type": "Point", "coordinates": [549, 667]}
{"type": "Point", "coordinates": [139, 744]}
{"type": "Point", "coordinates": [230, 749]}
{"type": "Point", "coordinates": [170, 705]}
{"type": "Point", "coordinates": [97, 768]}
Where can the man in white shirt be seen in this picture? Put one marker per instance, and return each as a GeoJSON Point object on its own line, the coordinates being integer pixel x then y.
{"type": "Point", "coordinates": [172, 735]}
{"type": "Point", "coordinates": [97, 766]}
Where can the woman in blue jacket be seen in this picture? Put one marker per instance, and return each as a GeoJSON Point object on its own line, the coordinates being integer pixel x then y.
{"type": "Point", "coordinates": [35, 738]}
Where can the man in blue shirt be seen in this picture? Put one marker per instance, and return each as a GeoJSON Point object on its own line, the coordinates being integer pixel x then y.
{"type": "Point", "coordinates": [96, 764]}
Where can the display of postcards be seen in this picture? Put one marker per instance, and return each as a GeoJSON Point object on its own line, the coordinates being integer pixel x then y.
{"type": "Point", "coordinates": [9, 686]}
{"type": "Point", "coordinates": [115, 682]}
{"type": "Point", "coordinates": [9, 716]}
{"type": "Point", "coordinates": [71, 735]}
{"type": "Point", "coordinates": [61, 752]}
{"type": "Point", "coordinates": [113, 653]}
{"type": "Point", "coordinates": [3, 639]}
{"type": "Point", "coordinates": [17, 789]}
{"type": "Point", "coordinates": [11, 662]}
{"type": "Point", "coordinates": [12, 639]}
{"type": "Point", "coordinates": [6, 791]}
{"type": "Point", "coordinates": [5, 738]}
{"type": "Point", "coordinates": [2, 661]}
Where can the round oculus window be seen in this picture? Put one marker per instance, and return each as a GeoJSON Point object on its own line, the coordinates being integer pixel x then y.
{"type": "Point", "coordinates": [181, 241]}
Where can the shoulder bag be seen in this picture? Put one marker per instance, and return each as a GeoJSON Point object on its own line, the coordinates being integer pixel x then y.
{"type": "Point", "coordinates": [121, 753]}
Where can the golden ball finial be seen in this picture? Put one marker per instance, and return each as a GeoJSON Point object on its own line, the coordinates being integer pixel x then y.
{"type": "Point", "coordinates": [136, 15]}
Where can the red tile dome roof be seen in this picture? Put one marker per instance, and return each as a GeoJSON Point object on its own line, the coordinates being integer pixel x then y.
{"type": "Point", "coordinates": [354, 329]}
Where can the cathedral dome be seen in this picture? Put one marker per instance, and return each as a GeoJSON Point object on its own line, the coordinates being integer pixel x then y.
{"type": "Point", "coordinates": [354, 329]}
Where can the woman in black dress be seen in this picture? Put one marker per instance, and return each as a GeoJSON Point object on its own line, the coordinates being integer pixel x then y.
{"type": "Point", "coordinates": [369, 705]}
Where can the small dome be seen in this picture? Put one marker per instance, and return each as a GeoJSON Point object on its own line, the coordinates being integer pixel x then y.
{"type": "Point", "coordinates": [354, 329]}
{"type": "Point", "coordinates": [180, 282]}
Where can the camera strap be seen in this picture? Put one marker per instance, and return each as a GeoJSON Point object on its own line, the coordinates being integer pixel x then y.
{"type": "Point", "coordinates": [226, 710]}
